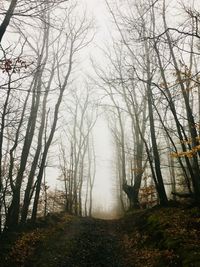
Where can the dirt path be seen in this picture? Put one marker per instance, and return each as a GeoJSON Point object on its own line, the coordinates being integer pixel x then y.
{"type": "Point", "coordinates": [154, 238]}
{"type": "Point", "coordinates": [96, 245]}
{"type": "Point", "coordinates": [84, 243]}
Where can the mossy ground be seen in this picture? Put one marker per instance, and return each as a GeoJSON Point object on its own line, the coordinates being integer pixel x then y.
{"type": "Point", "coordinates": [163, 237]}
{"type": "Point", "coordinates": [160, 237]}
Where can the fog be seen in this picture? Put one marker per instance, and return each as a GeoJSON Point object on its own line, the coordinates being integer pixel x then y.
{"type": "Point", "coordinates": [87, 101]}
{"type": "Point", "coordinates": [104, 193]}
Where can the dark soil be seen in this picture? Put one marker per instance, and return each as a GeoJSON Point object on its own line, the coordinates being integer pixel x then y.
{"type": "Point", "coordinates": [160, 237]}
{"type": "Point", "coordinates": [80, 242]}
{"type": "Point", "coordinates": [96, 245]}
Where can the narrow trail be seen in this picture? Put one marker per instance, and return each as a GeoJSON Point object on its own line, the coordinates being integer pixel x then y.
{"type": "Point", "coordinates": [160, 237]}
{"type": "Point", "coordinates": [97, 244]}
{"type": "Point", "coordinates": [83, 243]}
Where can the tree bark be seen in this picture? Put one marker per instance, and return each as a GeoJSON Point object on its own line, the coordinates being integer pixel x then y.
{"type": "Point", "coordinates": [7, 18]}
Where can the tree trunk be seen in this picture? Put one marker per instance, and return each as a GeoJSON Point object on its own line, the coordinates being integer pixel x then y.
{"type": "Point", "coordinates": [50, 138]}
{"type": "Point", "coordinates": [160, 185]}
{"type": "Point", "coordinates": [132, 195]}
{"type": "Point", "coordinates": [7, 18]}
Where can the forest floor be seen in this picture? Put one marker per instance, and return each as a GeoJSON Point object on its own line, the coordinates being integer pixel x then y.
{"type": "Point", "coordinates": [158, 237]}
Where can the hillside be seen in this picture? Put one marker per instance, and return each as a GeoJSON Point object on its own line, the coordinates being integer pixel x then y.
{"type": "Point", "coordinates": [157, 237]}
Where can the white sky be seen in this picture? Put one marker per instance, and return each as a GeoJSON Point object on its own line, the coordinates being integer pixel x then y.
{"type": "Point", "coordinates": [103, 195]}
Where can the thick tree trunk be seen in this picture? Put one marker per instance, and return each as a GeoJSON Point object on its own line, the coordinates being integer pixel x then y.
{"type": "Point", "coordinates": [132, 195]}
{"type": "Point", "coordinates": [7, 18]}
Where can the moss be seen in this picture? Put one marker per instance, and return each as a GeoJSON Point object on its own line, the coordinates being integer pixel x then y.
{"type": "Point", "coordinates": [172, 242]}
{"type": "Point", "coordinates": [195, 212]}
{"type": "Point", "coordinates": [190, 259]}
{"type": "Point", "coordinates": [153, 222]}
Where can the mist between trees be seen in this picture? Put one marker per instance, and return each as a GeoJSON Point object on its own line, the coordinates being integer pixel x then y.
{"type": "Point", "coordinates": [148, 88]}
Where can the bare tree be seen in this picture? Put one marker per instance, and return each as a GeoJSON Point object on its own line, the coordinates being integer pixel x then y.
{"type": "Point", "coordinates": [42, 87]}
{"type": "Point", "coordinates": [75, 41]}
{"type": "Point", "coordinates": [77, 169]}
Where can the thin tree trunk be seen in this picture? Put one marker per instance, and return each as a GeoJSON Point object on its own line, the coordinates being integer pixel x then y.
{"type": "Point", "coordinates": [190, 118]}
{"type": "Point", "coordinates": [50, 138]}
{"type": "Point", "coordinates": [13, 211]}
{"type": "Point", "coordinates": [34, 165]}
{"type": "Point", "coordinates": [161, 188]}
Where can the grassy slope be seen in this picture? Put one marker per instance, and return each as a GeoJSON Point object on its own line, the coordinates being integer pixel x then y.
{"type": "Point", "coordinates": [163, 237]}
{"type": "Point", "coordinates": [157, 237]}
